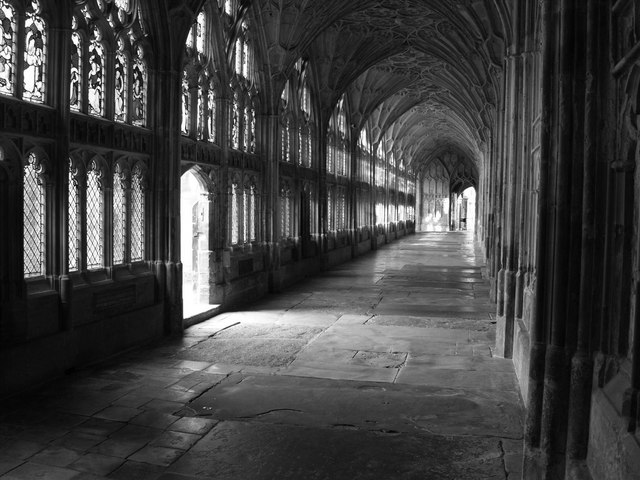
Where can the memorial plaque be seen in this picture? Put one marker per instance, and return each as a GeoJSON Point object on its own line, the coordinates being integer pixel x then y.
{"type": "Point", "coordinates": [115, 299]}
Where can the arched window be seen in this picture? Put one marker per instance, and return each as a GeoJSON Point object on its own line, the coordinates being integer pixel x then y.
{"type": "Point", "coordinates": [198, 82]}
{"type": "Point", "coordinates": [338, 142]}
{"type": "Point", "coordinates": [285, 124]}
{"type": "Point", "coordinates": [331, 202]}
{"type": "Point", "coordinates": [211, 112]}
{"type": "Point", "coordinates": [235, 121]}
{"type": "Point", "coordinates": [286, 206]}
{"type": "Point", "coordinates": [8, 47]}
{"type": "Point", "coordinates": [108, 28]}
{"type": "Point", "coordinates": [96, 74]}
{"type": "Point", "coordinates": [35, 54]}
{"type": "Point", "coordinates": [306, 126]}
{"type": "Point", "coordinates": [34, 232]}
{"type": "Point", "coordinates": [236, 196]}
{"type": "Point", "coordinates": [381, 165]}
{"type": "Point", "coordinates": [32, 28]}
{"type": "Point", "coordinates": [137, 214]}
{"type": "Point", "coordinates": [77, 68]}
{"type": "Point", "coordinates": [341, 209]}
{"type": "Point", "coordinates": [119, 215]}
{"type": "Point", "coordinates": [243, 84]}
{"type": "Point", "coordinates": [139, 90]}
{"type": "Point", "coordinates": [86, 199]}
{"type": "Point", "coordinates": [121, 82]}
{"type": "Point", "coordinates": [250, 211]}
{"type": "Point", "coordinates": [94, 217]}
{"type": "Point", "coordinates": [73, 219]}
{"type": "Point", "coordinates": [185, 127]}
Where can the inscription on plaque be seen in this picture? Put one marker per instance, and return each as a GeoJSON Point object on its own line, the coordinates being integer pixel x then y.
{"type": "Point", "coordinates": [245, 266]}
{"type": "Point", "coordinates": [115, 299]}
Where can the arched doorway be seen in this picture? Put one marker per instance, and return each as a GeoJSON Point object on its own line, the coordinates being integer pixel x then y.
{"type": "Point", "coordinates": [195, 248]}
{"type": "Point", "coordinates": [464, 216]}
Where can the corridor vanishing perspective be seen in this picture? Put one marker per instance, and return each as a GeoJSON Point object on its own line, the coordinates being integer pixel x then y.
{"type": "Point", "coordinates": [383, 369]}
{"type": "Point", "coordinates": [169, 162]}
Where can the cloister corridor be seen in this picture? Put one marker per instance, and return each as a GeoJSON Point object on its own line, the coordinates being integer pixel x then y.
{"type": "Point", "coordinates": [382, 367]}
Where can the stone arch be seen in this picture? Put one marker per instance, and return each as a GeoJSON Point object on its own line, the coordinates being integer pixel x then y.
{"type": "Point", "coordinates": [197, 215]}
{"type": "Point", "coordinates": [434, 181]}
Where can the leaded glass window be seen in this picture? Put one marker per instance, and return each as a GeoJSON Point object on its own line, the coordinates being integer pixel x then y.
{"type": "Point", "coordinates": [75, 80]}
{"type": "Point", "coordinates": [247, 128]}
{"type": "Point", "coordinates": [33, 218]}
{"type": "Point", "coordinates": [228, 7]}
{"type": "Point", "coordinates": [139, 89]}
{"type": "Point", "coordinates": [331, 219]}
{"type": "Point", "coordinates": [201, 32]}
{"type": "Point", "coordinates": [239, 61]}
{"type": "Point", "coordinates": [137, 215]}
{"type": "Point", "coordinates": [190, 38]}
{"type": "Point", "coordinates": [186, 105]}
{"type": "Point", "coordinates": [235, 122]}
{"type": "Point", "coordinates": [121, 83]}
{"type": "Point", "coordinates": [201, 109]}
{"type": "Point", "coordinates": [107, 52]}
{"type": "Point", "coordinates": [246, 215]}
{"type": "Point", "coordinates": [94, 218]}
{"type": "Point", "coordinates": [245, 60]}
{"type": "Point", "coordinates": [253, 210]}
{"type": "Point", "coordinates": [96, 74]}
{"type": "Point", "coordinates": [211, 113]}
{"type": "Point", "coordinates": [235, 214]}
{"type": "Point", "coordinates": [285, 140]}
{"type": "Point", "coordinates": [341, 209]}
{"type": "Point", "coordinates": [331, 152]}
{"type": "Point", "coordinates": [285, 213]}
{"type": "Point", "coordinates": [119, 216]}
{"type": "Point", "coordinates": [73, 219]}
{"type": "Point", "coordinates": [8, 47]}
{"type": "Point", "coordinates": [35, 54]}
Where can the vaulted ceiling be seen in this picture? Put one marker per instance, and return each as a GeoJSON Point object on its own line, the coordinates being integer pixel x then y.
{"type": "Point", "coordinates": [426, 74]}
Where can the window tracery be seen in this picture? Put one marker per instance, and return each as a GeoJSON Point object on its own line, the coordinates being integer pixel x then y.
{"type": "Point", "coordinates": [185, 126]}
{"type": "Point", "coordinates": [286, 206]}
{"type": "Point", "coordinates": [250, 211]}
{"type": "Point", "coordinates": [338, 142]}
{"type": "Point", "coordinates": [199, 82]}
{"type": "Point", "coordinates": [121, 82]}
{"type": "Point", "coordinates": [73, 219]}
{"type": "Point", "coordinates": [99, 30]}
{"type": "Point", "coordinates": [77, 70]}
{"type": "Point", "coordinates": [8, 47]}
{"type": "Point", "coordinates": [138, 205]}
{"type": "Point", "coordinates": [30, 26]}
{"type": "Point", "coordinates": [331, 215]}
{"type": "Point", "coordinates": [94, 217]}
{"type": "Point", "coordinates": [34, 199]}
{"type": "Point", "coordinates": [235, 210]}
{"type": "Point", "coordinates": [119, 216]}
{"type": "Point", "coordinates": [35, 54]}
{"type": "Point", "coordinates": [244, 90]}
{"type": "Point", "coordinates": [306, 126]}
{"type": "Point", "coordinates": [96, 75]}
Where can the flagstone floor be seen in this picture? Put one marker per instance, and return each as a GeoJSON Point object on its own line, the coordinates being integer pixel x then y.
{"type": "Point", "coordinates": [379, 368]}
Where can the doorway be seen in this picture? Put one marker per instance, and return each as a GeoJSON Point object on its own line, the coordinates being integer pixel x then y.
{"type": "Point", "coordinates": [197, 256]}
{"type": "Point", "coordinates": [464, 216]}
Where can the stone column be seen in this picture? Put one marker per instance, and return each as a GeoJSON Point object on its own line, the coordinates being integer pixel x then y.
{"type": "Point", "coordinates": [538, 335]}
{"type": "Point", "coordinates": [271, 194]}
{"type": "Point", "coordinates": [166, 203]}
{"type": "Point", "coordinates": [506, 276]}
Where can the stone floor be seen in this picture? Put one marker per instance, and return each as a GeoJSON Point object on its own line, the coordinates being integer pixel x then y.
{"type": "Point", "coordinates": [380, 368]}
